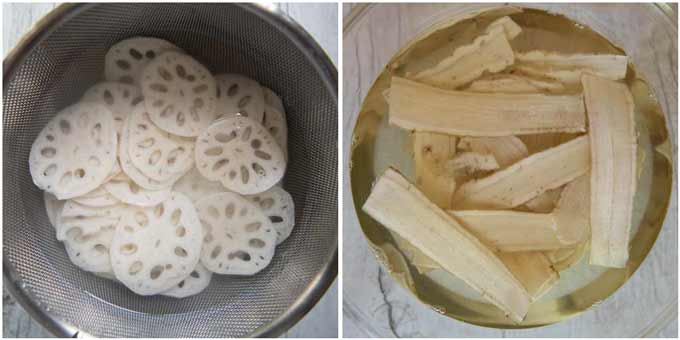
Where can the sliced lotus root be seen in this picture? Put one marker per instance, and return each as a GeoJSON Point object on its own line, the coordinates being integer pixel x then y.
{"type": "Point", "coordinates": [117, 170]}
{"type": "Point", "coordinates": [179, 94]}
{"type": "Point", "coordinates": [107, 275]}
{"type": "Point", "coordinates": [275, 122]}
{"type": "Point", "coordinates": [156, 153]}
{"type": "Point", "coordinates": [75, 151]}
{"type": "Point", "coordinates": [196, 282]}
{"type": "Point", "coordinates": [155, 248]}
{"type": "Point", "coordinates": [125, 61]}
{"type": "Point", "coordinates": [241, 154]}
{"type": "Point", "coordinates": [273, 99]}
{"type": "Point", "coordinates": [119, 98]}
{"type": "Point", "coordinates": [239, 96]}
{"type": "Point", "coordinates": [97, 198]}
{"type": "Point", "coordinates": [127, 191]}
{"type": "Point", "coordinates": [278, 205]}
{"type": "Point", "coordinates": [133, 173]}
{"type": "Point", "coordinates": [53, 207]}
{"type": "Point", "coordinates": [195, 186]}
{"type": "Point", "coordinates": [76, 210]}
{"type": "Point", "coordinates": [239, 238]}
{"type": "Point", "coordinates": [73, 227]}
{"type": "Point", "coordinates": [90, 252]}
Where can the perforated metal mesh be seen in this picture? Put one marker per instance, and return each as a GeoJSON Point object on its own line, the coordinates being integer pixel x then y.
{"type": "Point", "coordinates": [226, 38]}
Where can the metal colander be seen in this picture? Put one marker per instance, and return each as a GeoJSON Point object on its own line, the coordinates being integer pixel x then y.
{"type": "Point", "coordinates": [60, 59]}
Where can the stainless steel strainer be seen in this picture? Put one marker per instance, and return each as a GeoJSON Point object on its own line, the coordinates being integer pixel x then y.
{"type": "Point", "coordinates": [61, 58]}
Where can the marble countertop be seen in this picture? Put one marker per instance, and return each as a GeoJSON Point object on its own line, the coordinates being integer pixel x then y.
{"type": "Point", "coordinates": [320, 21]}
{"type": "Point", "coordinates": [374, 305]}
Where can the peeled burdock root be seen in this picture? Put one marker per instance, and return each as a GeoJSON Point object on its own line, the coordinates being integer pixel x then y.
{"type": "Point", "coordinates": [278, 205]}
{"type": "Point", "coordinates": [155, 248]}
{"type": "Point", "coordinates": [241, 154]}
{"type": "Point", "coordinates": [157, 154]}
{"type": "Point", "coordinates": [75, 151]}
{"type": "Point", "coordinates": [196, 282]}
{"type": "Point", "coordinates": [126, 59]}
{"type": "Point", "coordinates": [239, 238]}
{"type": "Point", "coordinates": [179, 93]}
{"type": "Point", "coordinates": [239, 95]}
{"type": "Point", "coordinates": [119, 98]}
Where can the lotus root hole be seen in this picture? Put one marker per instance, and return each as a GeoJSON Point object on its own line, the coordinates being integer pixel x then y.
{"type": "Point", "coordinates": [214, 151]}
{"type": "Point", "coordinates": [100, 248]}
{"type": "Point", "coordinates": [48, 152]}
{"type": "Point", "coordinates": [243, 212]}
{"type": "Point", "coordinates": [159, 87]}
{"type": "Point", "coordinates": [267, 203]}
{"type": "Point", "coordinates": [157, 244]}
{"type": "Point", "coordinates": [200, 88]}
{"type": "Point", "coordinates": [135, 54]}
{"type": "Point", "coordinates": [128, 249]}
{"type": "Point", "coordinates": [232, 174]}
{"type": "Point", "coordinates": [159, 210]}
{"type": "Point", "coordinates": [180, 118]}
{"type": "Point", "coordinates": [175, 216]}
{"type": "Point", "coordinates": [245, 175]}
{"type": "Point", "coordinates": [108, 97]}
{"type": "Point", "coordinates": [208, 238]}
{"type": "Point", "coordinates": [150, 54]}
{"type": "Point", "coordinates": [233, 90]}
{"type": "Point", "coordinates": [256, 243]}
{"type": "Point", "coordinates": [181, 72]}
{"type": "Point", "coordinates": [123, 64]}
{"type": "Point", "coordinates": [212, 211]}
{"type": "Point", "coordinates": [181, 252]}
{"type": "Point", "coordinates": [147, 143]}
{"type": "Point", "coordinates": [135, 267]}
{"type": "Point", "coordinates": [156, 272]}
{"type": "Point", "coordinates": [163, 72]}
{"type": "Point", "coordinates": [276, 219]}
{"type": "Point", "coordinates": [195, 274]}
{"type": "Point", "coordinates": [229, 210]}
{"type": "Point", "coordinates": [134, 188]}
{"type": "Point", "coordinates": [50, 170]}
{"type": "Point", "coordinates": [262, 155]}
{"type": "Point", "coordinates": [240, 254]}
{"type": "Point", "coordinates": [273, 130]}
{"type": "Point", "coordinates": [256, 144]}
{"type": "Point", "coordinates": [180, 284]}
{"type": "Point", "coordinates": [50, 138]}
{"type": "Point", "coordinates": [180, 231]}
{"type": "Point", "coordinates": [244, 101]}
{"type": "Point", "coordinates": [219, 164]}
{"type": "Point", "coordinates": [158, 103]}
{"type": "Point", "coordinates": [80, 173]}
{"type": "Point", "coordinates": [94, 161]}
{"type": "Point", "coordinates": [253, 227]}
{"type": "Point", "coordinates": [258, 169]}
{"type": "Point", "coordinates": [137, 100]}
{"type": "Point", "coordinates": [65, 126]}
{"type": "Point", "coordinates": [141, 219]}
{"type": "Point", "coordinates": [246, 133]}
{"type": "Point", "coordinates": [168, 266]}
{"type": "Point", "coordinates": [224, 137]}
{"type": "Point", "coordinates": [215, 252]}
{"type": "Point", "coordinates": [198, 103]}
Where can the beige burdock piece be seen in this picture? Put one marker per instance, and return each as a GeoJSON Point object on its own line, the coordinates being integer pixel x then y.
{"type": "Point", "coordinates": [527, 178]}
{"type": "Point", "coordinates": [613, 181]}
{"type": "Point", "coordinates": [481, 114]}
{"type": "Point", "coordinates": [569, 68]}
{"type": "Point", "coordinates": [401, 208]}
{"type": "Point", "coordinates": [430, 154]}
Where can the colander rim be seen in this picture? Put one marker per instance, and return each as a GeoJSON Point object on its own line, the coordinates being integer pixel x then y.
{"type": "Point", "coordinates": [329, 74]}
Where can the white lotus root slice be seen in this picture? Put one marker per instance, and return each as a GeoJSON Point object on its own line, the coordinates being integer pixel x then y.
{"type": "Point", "coordinates": [119, 98]}
{"type": "Point", "coordinates": [76, 210]}
{"type": "Point", "coordinates": [241, 154]}
{"type": "Point", "coordinates": [75, 151]}
{"type": "Point", "coordinates": [84, 220]}
{"type": "Point", "coordinates": [127, 191]}
{"type": "Point", "coordinates": [155, 248]}
{"type": "Point", "coordinates": [180, 94]}
{"type": "Point", "coordinates": [196, 282]}
{"type": "Point", "coordinates": [195, 186]}
{"type": "Point", "coordinates": [279, 207]}
{"type": "Point", "coordinates": [275, 122]}
{"type": "Point", "coordinates": [156, 153]}
{"type": "Point", "coordinates": [135, 174]}
{"type": "Point", "coordinates": [125, 61]}
{"type": "Point", "coordinates": [53, 207]}
{"type": "Point", "coordinates": [90, 252]}
{"type": "Point", "coordinates": [273, 99]}
{"type": "Point", "coordinates": [97, 198]}
{"type": "Point", "coordinates": [238, 95]}
{"type": "Point", "coordinates": [239, 238]}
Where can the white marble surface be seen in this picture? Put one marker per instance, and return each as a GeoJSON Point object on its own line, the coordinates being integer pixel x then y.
{"type": "Point", "coordinates": [376, 306]}
{"type": "Point", "coordinates": [320, 20]}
